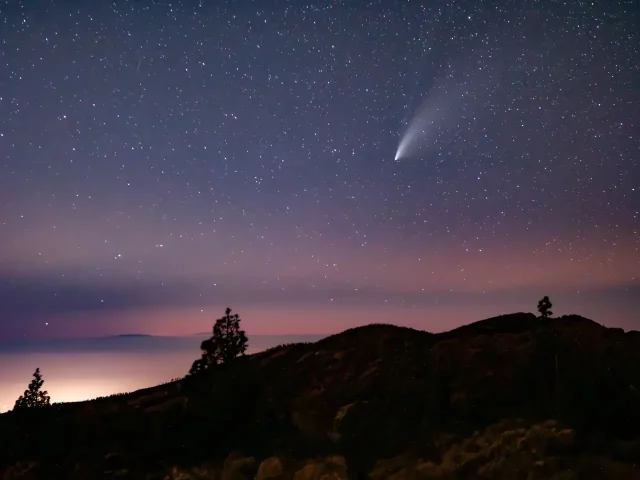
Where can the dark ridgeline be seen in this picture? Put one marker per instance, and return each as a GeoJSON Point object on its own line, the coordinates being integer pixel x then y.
{"type": "Point", "coordinates": [510, 397]}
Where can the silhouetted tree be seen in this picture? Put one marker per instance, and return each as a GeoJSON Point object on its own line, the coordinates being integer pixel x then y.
{"type": "Point", "coordinates": [548, 360]}
{"type": "Point", "coordinates": [227, 343]}
{"type": "Point", "coordinates": [544, 307]}
{"type": "Point", "coordinates": [33, 397]}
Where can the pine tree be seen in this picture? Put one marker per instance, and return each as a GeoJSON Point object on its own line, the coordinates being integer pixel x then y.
{"type": "Point", "coordinates": [228, 342]}
{"type": "Point", "coordinates": [544, 307]}
{"type": "Point", "coordinates": [33, 397]}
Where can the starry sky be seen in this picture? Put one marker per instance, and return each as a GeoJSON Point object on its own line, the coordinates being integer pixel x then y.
{"type": "Point", "coordinates": [160, 160]}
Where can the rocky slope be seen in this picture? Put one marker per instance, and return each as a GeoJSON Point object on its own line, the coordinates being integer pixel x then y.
{"type": "Point", "coordinates": [509, 397]}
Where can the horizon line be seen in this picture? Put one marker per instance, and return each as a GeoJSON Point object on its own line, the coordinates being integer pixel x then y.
{"type": "Point", "coordinates": [125, 335]}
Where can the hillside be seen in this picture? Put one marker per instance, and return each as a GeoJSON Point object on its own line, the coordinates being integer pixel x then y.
{"type": "Point", "coordinates": [512, 397]}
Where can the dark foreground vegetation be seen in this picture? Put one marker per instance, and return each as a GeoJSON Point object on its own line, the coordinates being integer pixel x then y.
{"type": "Point", "coordinates": [512, 397]}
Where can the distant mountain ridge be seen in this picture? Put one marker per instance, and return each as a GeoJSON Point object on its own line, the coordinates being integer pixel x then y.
{"type": "Point", "coordinates": [510, 397]}
{"type": "Point", "coordinates": [129, 335]}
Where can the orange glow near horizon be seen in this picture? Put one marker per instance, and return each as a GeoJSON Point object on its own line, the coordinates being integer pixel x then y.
{"type": "Point", "coordinates": [72, 377]}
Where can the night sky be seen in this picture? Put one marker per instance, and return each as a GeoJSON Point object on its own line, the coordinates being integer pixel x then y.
{"type": "Point", "coordinates": [162, 160]}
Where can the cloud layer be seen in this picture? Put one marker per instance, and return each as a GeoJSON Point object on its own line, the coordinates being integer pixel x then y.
{"type": "Point", "coordinates": [29, 299]}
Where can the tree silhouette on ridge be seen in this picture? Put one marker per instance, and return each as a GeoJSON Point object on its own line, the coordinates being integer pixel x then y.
{"type": "Point", "coordinates": [34, 397]}
{"type": "Point", "coordinates": [544, 307]}
{"type": "Point", "coordinates": [228, 342]}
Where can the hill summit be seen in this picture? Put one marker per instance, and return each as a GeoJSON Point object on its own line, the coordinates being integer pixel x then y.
{"type": "Point", "coordinates": [510, 397]}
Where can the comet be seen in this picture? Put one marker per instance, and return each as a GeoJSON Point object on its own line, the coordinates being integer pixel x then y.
{"type": "Point", "coordinates": [432, 116]}
{"type": "Point", "coordinates": [420, 129]}
{"type": "Point", "coordinates": [452, 98]}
